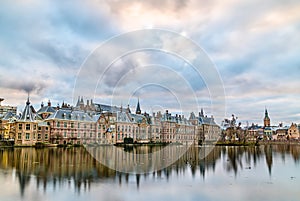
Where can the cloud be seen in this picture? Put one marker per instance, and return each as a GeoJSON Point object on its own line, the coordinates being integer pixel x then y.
{"type": "Point", "coordinates": [29, 86]}
{"type": "Point", "coordinates": [254, 45]}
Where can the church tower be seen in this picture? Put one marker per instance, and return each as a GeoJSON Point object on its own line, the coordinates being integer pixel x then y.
{"type": "Point", "coordinates": [138, 108]}
{"type": "Point", "coordinates": [266, 119]}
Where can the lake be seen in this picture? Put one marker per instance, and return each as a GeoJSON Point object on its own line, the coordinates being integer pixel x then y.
{"type": "Point", "coordinates": [266, 172]}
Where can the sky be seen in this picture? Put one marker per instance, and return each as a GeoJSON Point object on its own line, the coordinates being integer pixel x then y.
{"type": "Point", "coordinates": [253, 45]}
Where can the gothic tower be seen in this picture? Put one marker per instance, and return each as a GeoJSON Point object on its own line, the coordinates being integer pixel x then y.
{"type": "Point", "coordinates": [266, 119]}
{"type": "Point", "coordinates": [138, 108]}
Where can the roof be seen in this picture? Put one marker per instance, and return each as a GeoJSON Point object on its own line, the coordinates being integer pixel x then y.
{"type": "Point", "coordinates": [123, 117]}
{"type": "Point", "coordinates": [70, 115]}
{"type": "Point", "coordinates": [137, 118]}
{"type": "Point", "coordinates": [46, 109]}
{"type": "Point", "coordinates": [207, 120]}
{"type": "Point", "coordinates": [8, 115]}
{"type": "Point", "coordinates": [107, 108]}
{"type": "Point", "coordinates": [27, 114]}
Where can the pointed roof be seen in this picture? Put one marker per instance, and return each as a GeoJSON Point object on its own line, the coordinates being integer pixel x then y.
{"type": "Point", "coordinates": [138, 108]}
{"type": "Point", "coordinates": [266, 114]}
{"type": "Point", "coordinates": [27, 114]}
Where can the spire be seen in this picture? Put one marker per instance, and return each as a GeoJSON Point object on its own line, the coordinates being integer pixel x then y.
{"type": "Point", "coordinates": [138, 108]}
{"type": "Point", "coordinates": [27, 114]}
{"type": "Point", "coordinates": [78, 102]}
{"type": "Point", "coordinates": [28, 102]}
{"type": "Point", "coordinates": [128, 109]}
{"type": "Point", "coordinates": [266, 113]}
{"type": "Point", "coordinates": [266, 119]}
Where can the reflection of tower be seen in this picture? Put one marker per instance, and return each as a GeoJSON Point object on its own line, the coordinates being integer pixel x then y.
{"type": "Point", "coordinates": [266, 119]}
{"type": "Point", "coordinates": [138, 108]}
{"type": "Point", "coordinates": [269, 158]}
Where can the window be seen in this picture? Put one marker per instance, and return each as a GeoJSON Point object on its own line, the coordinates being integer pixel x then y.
{"type": "Point", "coordinates": [58, 124]}
{"type": "Point", "coordinates": [65, 124]}
{"type": "Point", "coordinates": [33, 136]}
{"type": "Point", "coordinates": [20, 126]}
{"type": "Point", "coordinates": [47, 128]}
{"type": "Point", "coordinates": [78, 125]}
{"type": "Point", "coordinates": [34, 127]}
{"type": "Point", "coordinates": [84, 125]}
{"type": "Point", "coordinates": [65, 134]}
{"type": "Point", "coordinates": [39, 128]}
{"type": "Point", "coordinates": [46, 136]}
{"type": "Point", "coordinates": [39, 136]}
{"type": "Point", "coordinates": [27, 127]}
{"type": "Point", "coordinates": [78, 134]}
{"type": "Point", "coordinates": [27, 136]}
{"type": "Point", "coordinates": [72, 124]}
{"type": "Point", "coordinates": [91, 126]}
{"type": "Point", "coordinates": [91, 134]}
{"type": "Point", "coordinates": [20, 135]}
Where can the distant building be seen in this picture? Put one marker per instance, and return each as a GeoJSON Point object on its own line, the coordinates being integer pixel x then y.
{"type": "Point", "coordinates": [6, 108]}
{"type": "Point", "coordinates": [29, 131]}
{"type": "Point", "coordinates": [281, 133]}
{"type": "Point", "coordinates": [45, 111]}
{"type": "Point", "coordinates": [294, 132]}
{"type": "Point", "coordinates": [205, 127]}
{"type": "Point", "coordinates": [266, 119]}
{"type": "Point", "coordinates": [267, 127]}
{"type": "Point", "coordinates": [71, 127]}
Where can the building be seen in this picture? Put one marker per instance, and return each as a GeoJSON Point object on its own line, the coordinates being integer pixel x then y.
{"type": "Point", "coordinates": [293, 132]}
{"type": "Point", "coordinates": [29, 131]}
{"type": "Point", "coordinates": [268, 132]}
{"type": "Point", "coordinates": [266, 119]}
{"type": "Point", "coordinates": [6, 108]}
{"type": "Point", "coordinates": [71, 127]}
{"type": "Point", "coordinates": [45, 111]}
{"type": "Point", "coordinates": [7, 126]}
{"type": "Point", "coordinates": [281, 133]}
{"type": "Point", "coordinates": [205, 127]}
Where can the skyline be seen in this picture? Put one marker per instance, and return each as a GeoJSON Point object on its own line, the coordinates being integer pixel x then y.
{"type": "Point", "coordinates": [254, 48]}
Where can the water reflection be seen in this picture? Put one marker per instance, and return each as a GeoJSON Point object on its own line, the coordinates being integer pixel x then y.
{"type": "Point", "coordinates": [56, 167]}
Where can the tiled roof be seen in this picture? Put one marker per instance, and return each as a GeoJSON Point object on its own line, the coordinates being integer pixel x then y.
{"type": "Point", "coordinates": [8, 115]}
{"type": "Point", "coordinates": [46, 109]}
{"type": "Point", "coordinates": [70, 115]}
{"type": "Point", "coordinates": [27, 114]}
{"type": "Point", "coordinates": [207, 120]}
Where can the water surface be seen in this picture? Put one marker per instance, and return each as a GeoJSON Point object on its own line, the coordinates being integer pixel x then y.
{"type": "Point", "coordinates": [268, 172]}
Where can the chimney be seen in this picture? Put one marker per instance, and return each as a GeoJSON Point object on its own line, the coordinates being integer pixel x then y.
{"type": "Point", "coordinates": [49, 103]}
